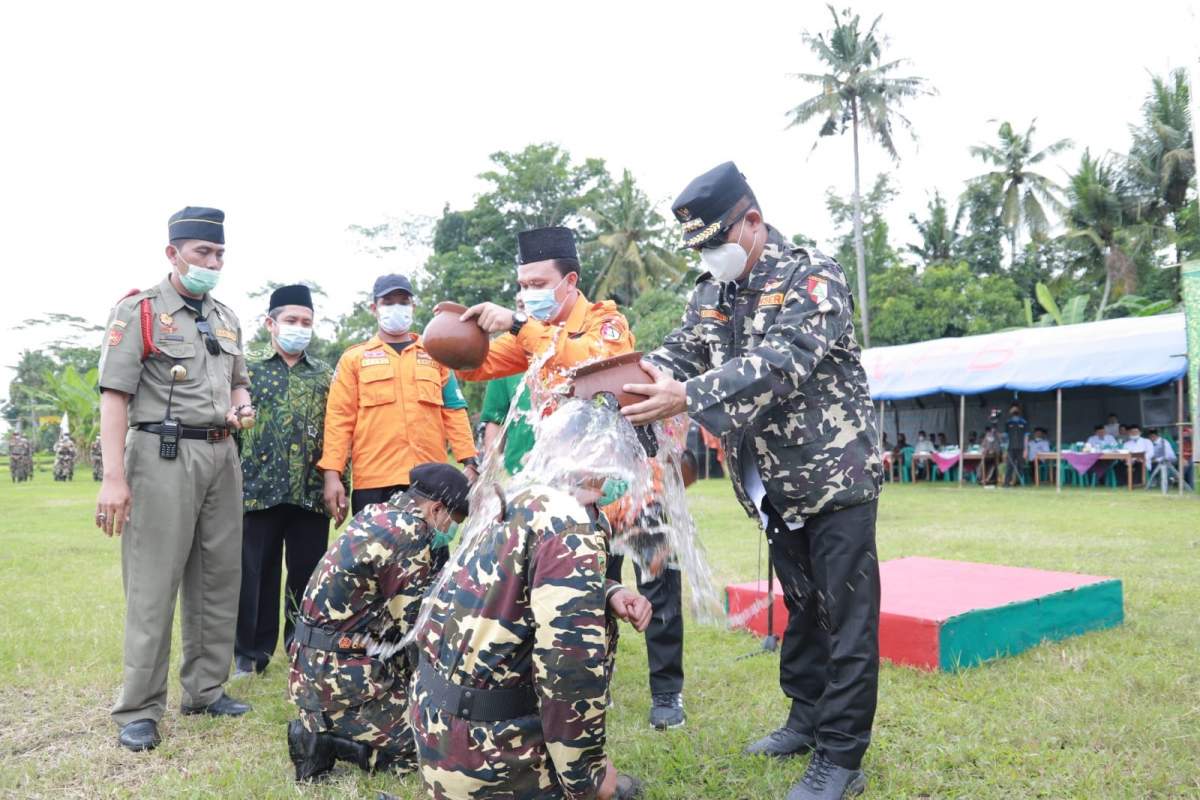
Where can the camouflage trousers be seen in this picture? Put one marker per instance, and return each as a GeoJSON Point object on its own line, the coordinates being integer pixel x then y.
{"type": "Point", "coordinates": [467, 760]}
{"type": "Point", "coordinates": [381, 723]}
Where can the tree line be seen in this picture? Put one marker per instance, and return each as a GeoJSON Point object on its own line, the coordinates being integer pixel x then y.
{"type": "Point", "coordinates": [987, 259]}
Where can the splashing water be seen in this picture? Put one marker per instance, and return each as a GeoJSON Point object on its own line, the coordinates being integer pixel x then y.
{"type": "Point", "coordinates": [651, 524]}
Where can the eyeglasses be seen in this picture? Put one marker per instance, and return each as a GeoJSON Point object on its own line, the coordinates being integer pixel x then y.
{"type": "Point", "coordinates": [210, 341]}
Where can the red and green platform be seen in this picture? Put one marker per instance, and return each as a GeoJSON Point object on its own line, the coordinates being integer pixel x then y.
{"type": "Point", "coordinates": [946, 615]}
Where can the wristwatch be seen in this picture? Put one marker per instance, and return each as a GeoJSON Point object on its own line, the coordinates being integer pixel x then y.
{"type": "Point", "coordinates": [471, 462]}
{"type": "Point", "coordinates": [519, 320]}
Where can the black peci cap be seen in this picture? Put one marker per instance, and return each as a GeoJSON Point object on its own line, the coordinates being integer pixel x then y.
{"type": "Point", "coordinates": [195, 222]}
{"type": "Point", "coordinates": [544, 244]}
{"type": "Point", "coordinates": [443, 483]}
{"type": "Point", "coordinates": [711, 203]}
{"type": "Point", "coordinates": [386, 284]}
{"type": "Point", "coordinates": [295, 295]}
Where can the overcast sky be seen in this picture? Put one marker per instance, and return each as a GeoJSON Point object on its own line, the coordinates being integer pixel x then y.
{"type": "Point", "coordinates": [300, 119]}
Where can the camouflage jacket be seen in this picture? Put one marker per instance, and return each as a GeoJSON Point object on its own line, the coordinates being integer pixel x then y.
{"type": "Point", "coordinates": [527, 605]}
{"type": "Point", "coordinates": [772, 366]}
{"type": "Point", "coordinates": [369, 586]}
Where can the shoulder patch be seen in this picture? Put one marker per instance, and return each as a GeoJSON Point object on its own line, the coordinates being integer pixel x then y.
{"type": "Point", "coordinates": [818, 288]}
{"type": "Point", "coordinates": [610, 332]}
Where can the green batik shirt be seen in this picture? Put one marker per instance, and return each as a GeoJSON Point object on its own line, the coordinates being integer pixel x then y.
{"type": "Point", "coordinates": [280, 453]}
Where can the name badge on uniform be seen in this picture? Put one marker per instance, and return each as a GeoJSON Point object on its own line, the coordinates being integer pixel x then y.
{"type": "Point", "coordinates": [771, 300]}
{"type": "Point", "coordinates": [225, 333]}
{"type": "Point", "coordinates": [424, 358]}
{"type": "Point", "coordinates": [712, 313]}
{"type": "Point", "coordinates": [374, 362]}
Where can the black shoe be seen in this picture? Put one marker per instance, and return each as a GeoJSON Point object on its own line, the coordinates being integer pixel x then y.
{"type": "Point", "coordinates": [825, 780]}
{"type": "Point", "coordinates": [141, 734]}
{"type": "Point", "coordinates": [223, 706]}
{"type": "Point", "coordinates": [666, 711]}
{"type": "Point", "coordinates": [628, 787]}
{"type": "Point", "coordinates": [782, 743]}
{"type": "Point", "coordinates": [311, 753]}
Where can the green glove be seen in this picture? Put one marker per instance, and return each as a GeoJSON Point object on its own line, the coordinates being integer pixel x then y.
{"type": "Point", "coordinates": [613, 490]}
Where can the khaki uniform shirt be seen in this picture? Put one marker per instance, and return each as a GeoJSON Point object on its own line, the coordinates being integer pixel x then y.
{"type": "Point", "coordinates": [202, 398]}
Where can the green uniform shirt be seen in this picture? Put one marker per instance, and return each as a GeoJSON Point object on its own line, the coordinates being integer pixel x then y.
{"type": "Point", "coordinates": [201, 397]}
{"type": "Point", "coordinates": [280, 453]}
{"type": "Point", "coordinates": [496, 402]}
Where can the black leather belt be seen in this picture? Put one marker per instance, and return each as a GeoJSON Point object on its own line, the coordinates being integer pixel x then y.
{"type": "Point", "coordinates": [309, 635]}
{"type": "Point", "coordinates": [477, 705]}
{"type": "Point", "coordinates": [188, 432]}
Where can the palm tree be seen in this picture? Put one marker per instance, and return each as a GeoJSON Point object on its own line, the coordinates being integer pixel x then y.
{"type": "Point", "coordinates": [858, 88]}
{"type": "Point", "coordinates": [1024, 193]}
{"type": "Point", "coordinates": [1101, 212]}
{"type": "Point", "coordinates": [631, 244]}
{"type": "Point", "coordinates": [1162, 163]}
{"type": "Point", "coordinates": [938, 235]}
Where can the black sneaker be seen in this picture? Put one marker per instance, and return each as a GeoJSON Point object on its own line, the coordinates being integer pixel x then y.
{"type": "Point", "coordinates": [666, 711]}
{"type": "Point", "coordinates": [825, 780]}
{"type": "Point", "coordinates": [781, 743]}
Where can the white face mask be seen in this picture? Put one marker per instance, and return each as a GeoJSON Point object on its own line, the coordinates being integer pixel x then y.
{"type": "Point", "coordinates": [395, 319]}
{"type": "Point", "coordinates": [727, 261]}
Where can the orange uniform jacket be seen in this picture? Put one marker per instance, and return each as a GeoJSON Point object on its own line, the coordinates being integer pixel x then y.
{"type": "Point", "coordinates": [386, 414]}
{"type": "Point", "coordinates": [591, 331]}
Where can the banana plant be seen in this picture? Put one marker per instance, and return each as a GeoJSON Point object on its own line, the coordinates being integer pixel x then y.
{"type": "Point", "coordinates": [76, 395]}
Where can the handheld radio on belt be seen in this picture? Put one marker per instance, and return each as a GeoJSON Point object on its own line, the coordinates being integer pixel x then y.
{"type": "Point", "coordinates": [169, 430]}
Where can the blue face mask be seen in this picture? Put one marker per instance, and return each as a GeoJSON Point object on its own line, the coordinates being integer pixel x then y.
{"type": "Point", "coordinates": [293, 339]}
{"type": "Point", "coordinates": [541, 304]}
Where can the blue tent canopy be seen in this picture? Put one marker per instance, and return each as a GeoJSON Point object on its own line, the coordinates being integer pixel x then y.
{"type": "Point", "coordinates": [1130, 353]}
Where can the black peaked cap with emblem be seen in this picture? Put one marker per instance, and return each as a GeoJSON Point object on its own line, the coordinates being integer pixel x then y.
{"type": "Point", "coordinates": [443, 483]}
{"type": "Point", "coordinates": [295, 295]}
{"type": "Point", "coordinates": [197, 222]}
{"type": "Point", "coordinates": [711, 203]}
{"type": "Point", "coordinates": [544, 244]}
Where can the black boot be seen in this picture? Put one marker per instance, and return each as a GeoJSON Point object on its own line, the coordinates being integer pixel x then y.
{"type": "Point", "coordinates": [312, 753]}
{"type": "Point", "coordinates": [357, 753]}
{"type": "Point", "coordinates": [628, 788]}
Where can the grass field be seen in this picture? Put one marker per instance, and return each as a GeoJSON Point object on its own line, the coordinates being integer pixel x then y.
{"type": "Point", "coordinates": [1113, 714]}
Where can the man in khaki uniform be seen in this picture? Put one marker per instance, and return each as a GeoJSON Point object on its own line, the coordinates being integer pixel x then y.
{"type": "Point", "coordinates": [174, 387]}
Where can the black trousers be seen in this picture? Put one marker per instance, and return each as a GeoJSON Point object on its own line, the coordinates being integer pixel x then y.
{"type": "Point", "coordinates": [264, 536]}
{"type": "Point", "coordinates": [361, 498]}
{"type": "Point", "coordinates": [829, 659]}
{"type": "Point", "coordinates": [1014, 467]}
{"type": "Point", "coordinates": [664, 635]}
